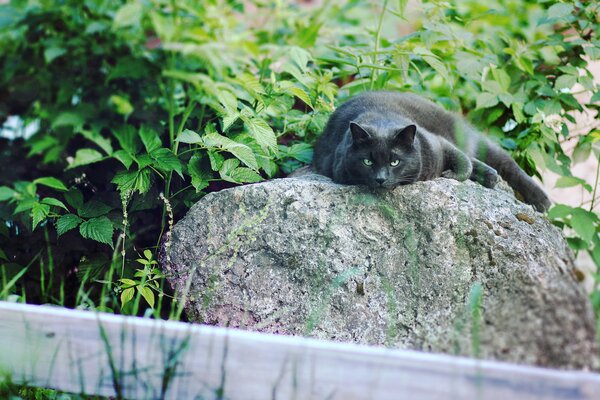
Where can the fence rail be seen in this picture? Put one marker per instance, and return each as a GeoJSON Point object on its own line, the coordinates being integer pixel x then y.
{"type": "Point", "coordinates": [130, 357]}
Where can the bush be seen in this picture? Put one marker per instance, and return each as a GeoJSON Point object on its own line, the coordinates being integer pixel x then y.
{"type": "Point", "coordinates": [140, 108]}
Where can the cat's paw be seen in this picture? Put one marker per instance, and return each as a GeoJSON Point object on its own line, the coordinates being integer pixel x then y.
{"type": "Point", "coordinates": [484, 174]}
{"type": "Point", "coordinates": [459, 176]}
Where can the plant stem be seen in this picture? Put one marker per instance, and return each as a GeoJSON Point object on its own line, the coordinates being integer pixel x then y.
{"type": "Point", "coordinates": [595, 185]}
{"type": "Point", "coordinates": [377, 39]}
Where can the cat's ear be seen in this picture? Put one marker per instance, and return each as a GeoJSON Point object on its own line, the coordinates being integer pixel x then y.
{"type": "Point", "coordinates": [359, 135]}
{"type": "Point", "coordinates": [405, 136]}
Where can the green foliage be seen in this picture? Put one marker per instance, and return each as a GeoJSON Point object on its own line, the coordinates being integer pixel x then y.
{"type": "Point", "coordinates": [136, 99]}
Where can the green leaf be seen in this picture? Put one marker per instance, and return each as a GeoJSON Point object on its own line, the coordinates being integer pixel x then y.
{"type": "Point", "coordinates": [560, 211]}
{"type": "Point", "coordinates": [213, 140]}
{"type": "Point", "coordinates": [52, 53]}
{"type": "Point", "coordinates": [167, 161]}
{"type": "Point", "coordinates": [570, 181]}
{"type": "Point", "coordinates": [126, 296]}
{"type": "Point", "coordinates": [51, 201]}
{"type": "Point", "coordinates": [39, 212]}
{"type": "Point", "coordinates": [150, 139]}
{"type": "Point", "coordinates": [262, 133]}
{"type": "Point", "coordinates": [85, 157]}
{"type": "Point", "coordinates": [565, 82]}
{"type": "Point", "coordinates": [147, 294]}
{"type": "Point", "coordinates": [94, 208]}
{"type": "Point", "coordinates": [128, 282]}
{"type": "Point", "coordinates": [74, 198]}
{"type": "Point", "coordinates": [188, 136]}
{"type": "Point", "coordinates": [133, 180]}
{"type": "Point", "coordinates": [68, 118]}
{"type": "Point", "coordinates": [200, 177]}
{"type": "Point", "coordinates": [560, 10]}
{"type": "Point", "coordinates": [301, 94]}
{"type": "Point", "coordinates": [98, 139]}
{"type": "Point", "coordinates": [216, 160]}
{"type": "Point", "coordinates": [121, 104]}
{"type": "Point", "coordinates": [582, 221]}
{"type": "Point", "coordinates": [6, 193]}
{"type": "Point", "coordinates": [244, 175]}
{"type": "Point", "coordinates": [148, 254]}
{"type": "Point", "coordinates": [502, 78]}
{"type": "Point", "coordinates": [128, 138]}
{"type": "Point", "coordinates": [128, 15]}
{"type": "Point", "coordinates": [67, 222]}
{"type": "Point", "coordinates": [486, 100]}
{"type": "Point", "coordinates": [123, 157]}
{"type": "Point", "coordinates": [98, 229]}
{"type": "Point", "coordinates": [51, 182]}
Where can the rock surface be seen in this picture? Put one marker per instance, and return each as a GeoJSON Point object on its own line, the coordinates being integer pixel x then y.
{"type": "Point", "coordinates": [438, 266]}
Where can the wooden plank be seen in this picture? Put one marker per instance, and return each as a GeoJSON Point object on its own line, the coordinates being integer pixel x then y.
{"type": "Point", "coordinates": [94, 353]}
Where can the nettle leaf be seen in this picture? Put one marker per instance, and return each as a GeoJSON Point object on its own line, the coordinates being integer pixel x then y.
{"type": "Point", "coordinates": [570, 181]}
{"type": "Point", "coordinates": [200, 177]}
{"type": "Point", "coordinates": [244, 153]}
{"type": "Point", "coordinates": [123, 157]}
{"type": "Point", "coordinates": [188, 136]}
{"type": "Point", "coordinates": [98, 139]}
{"type": "Point", "coordinates": [147, 294]}
{"type": "Point", "coordinates": [74, 198]}
{"type": "Point", "coordinates": [262, 132]}
{"type": "Point", "coordinates": [128, 138]}
{"type": "Point", "coordinates": [98, 229]}
{"type": "Point", "coordinates": [244, 175]}
{"type": "Point", "coordinates": [560, 211]}
{"type": "Point", "coordinates": [51, 201]}
{"type": "Point", "coordinates": [502, 78]}
{"type": "Point", "coordinates": [565, 82]}
{"type": "Point", "coordinates": [130, 181]}
{"type": "Point", "coordinates": [216, 160]}
{"type": "Point", "coordinates": [85, 157]}
{"type": "Point", "coordinates": [167, 161]}
{"type": "Point", "coordinates": [67, 222]}
{"type": "Point", "coordinates": [94, 208]}
{"type": "Point", "coordinates": [6, 193]}
{"type": "Point", "coordinates": [51, 182]}
{"type": "Point", "coordinates": [39, 212]}
{"type": "Point", "coordinates": [150, 139]}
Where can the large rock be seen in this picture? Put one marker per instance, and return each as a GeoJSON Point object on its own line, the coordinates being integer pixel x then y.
{"type": "Point", "coordinates": [438, 266]}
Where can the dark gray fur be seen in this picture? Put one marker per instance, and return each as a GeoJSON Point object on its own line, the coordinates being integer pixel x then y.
{"type": "Point", "coordinates": [428, 142]}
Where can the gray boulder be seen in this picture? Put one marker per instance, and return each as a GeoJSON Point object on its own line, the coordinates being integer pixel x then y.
{"type": "Point", "coordinates": [438, 266]}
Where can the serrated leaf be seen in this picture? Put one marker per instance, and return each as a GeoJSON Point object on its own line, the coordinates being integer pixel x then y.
{"type": "Point", "coordinates": [6, 193]}
{"type": "Point", "coordinates": [147, 294]}
{"type": "Point", "coordinates": [98, 229]}
{"type": "Point", "coordinates": [560, 10]}
{"type": "Point", "coordinates": [244, 175]}
{"type": "Point", "coordinates": [51, 201]}
{"type": "Point", "coordinates": [128, 138]}
{"type": "Point", "coordinates": [93, 208]}
{"type": "Point", "coordinates": [128, 282]}
{"type": "Point", "coordinates": [200, 177]}
{"type": "Point", "coordinates": [486, 100]}
{"type": "Point", "coordinates": [85, 157]}
{"type": "Point", "coordinates": [67, 222]}
{"type": "Point", "coordinates": [570, 181]}
{"type": "Point", "coordinates": [150, 139]}
{"type": "Point", "coordinates": [126, 296]}
{"type": "Point", "coordinates": [39, 212]}
{"type": "Point", "coordinates": [123, 157]}
{"type": "Point", "coordinates": [98, 139]}
{"type": "Point", "coordinates": [301, 94]}
{"type": "Point", "coordinates": [216, 160]}
{"type": "Point", "coordinates": [51, 182]}
{"type": "Point", "coordinates": [241, 151]}
{"type": "Point", "coordinates": [262, 133]}
{"type": "Point", "coordinates": [189, 136]}
{"type": "Point", "coordinates": [167, 161]}
{"type": "Point", "coordinates": [133, 180]}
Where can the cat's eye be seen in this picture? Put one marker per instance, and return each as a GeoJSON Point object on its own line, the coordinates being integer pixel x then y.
{"type": "Point", "coordinates": [367, 162]}
{"type": "Point", "coordinates": [395, 163]}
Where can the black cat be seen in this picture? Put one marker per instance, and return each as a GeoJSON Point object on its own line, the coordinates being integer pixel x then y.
{"type": "Point", "coordinates": [385, 139]}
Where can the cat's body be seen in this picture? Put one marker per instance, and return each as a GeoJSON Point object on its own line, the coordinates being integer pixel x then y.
{"type": "Point", "coordinates": [386, 139]}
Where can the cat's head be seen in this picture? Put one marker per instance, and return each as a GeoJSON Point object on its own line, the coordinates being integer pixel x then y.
{"type": "Point", "coordinates": [383, 155]}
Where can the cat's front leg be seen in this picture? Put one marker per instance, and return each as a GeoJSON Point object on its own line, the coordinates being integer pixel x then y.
{"type": "Point", "coordinates": [457, 165]}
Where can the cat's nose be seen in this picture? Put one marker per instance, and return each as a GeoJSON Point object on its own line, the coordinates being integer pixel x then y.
{"type": "Point", "coordinates": [380, 180]}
